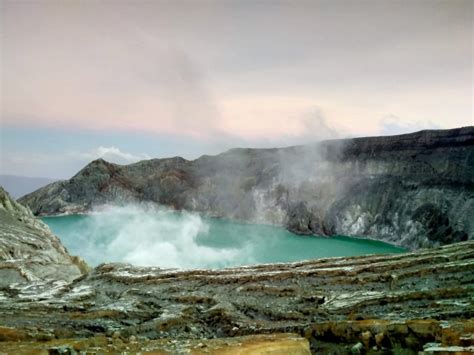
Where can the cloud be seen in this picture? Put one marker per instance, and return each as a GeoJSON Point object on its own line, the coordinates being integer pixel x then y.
{"type": "Point", "coordinates": [392, 125]}
{"type": "Point", "coordinates": [111, 154]}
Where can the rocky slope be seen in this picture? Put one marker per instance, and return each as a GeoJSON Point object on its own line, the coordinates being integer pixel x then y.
{"type": "Point", "coordinates": [381, 304]}
{"type": "Point", "coordinates": [28, 249]}
{"type": "Point", "coordinates": [414, 190]}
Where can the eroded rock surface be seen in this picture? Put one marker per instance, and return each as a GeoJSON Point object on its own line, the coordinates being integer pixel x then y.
{"type": "Point", "coordinates": [406, 301]}
{"type": "Point", "coordinates": [28, 249]}
{"type": "Point", "coordinates": [414, 190]}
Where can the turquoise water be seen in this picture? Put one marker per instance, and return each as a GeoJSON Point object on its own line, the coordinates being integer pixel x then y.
{"type": "Point", "coordinates": [153, 237]}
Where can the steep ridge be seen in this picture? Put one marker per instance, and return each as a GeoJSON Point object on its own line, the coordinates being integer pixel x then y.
{"type": "Point", "coordinates": [414, 190]}
{"type": "Point", "coordinates": [28, 249]}
{"type": "Point", "coordinates": [370, 304]}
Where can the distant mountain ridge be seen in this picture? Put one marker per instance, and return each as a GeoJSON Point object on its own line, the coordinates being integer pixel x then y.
{"type": "Point", "coordinates": [413, 190]}
{"type": "Point", "coordinates": [18, 185]}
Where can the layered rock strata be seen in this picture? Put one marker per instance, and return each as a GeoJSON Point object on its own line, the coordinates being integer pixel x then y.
{"type": "Point", "coordinates": [420, 301]}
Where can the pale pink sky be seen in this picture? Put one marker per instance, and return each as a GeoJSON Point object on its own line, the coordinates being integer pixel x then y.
{"type": "Point", "coordinates": [242, 68]}
{"type": "Point", "coordinates": [261, 72]}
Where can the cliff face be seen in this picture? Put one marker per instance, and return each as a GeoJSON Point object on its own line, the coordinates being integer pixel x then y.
{"type": "Point", "coordinates": [414, 190]}
{"type": "Point", "coordinates": [28, 249]}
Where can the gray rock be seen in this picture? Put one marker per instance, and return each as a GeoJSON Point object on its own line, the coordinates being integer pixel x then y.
{"type": "Point", "coordinates": [28, 249]}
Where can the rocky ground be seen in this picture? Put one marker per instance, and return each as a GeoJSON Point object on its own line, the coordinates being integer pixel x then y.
{"type": "Point", "coordinates": [403, 303]}
{"type": "Point", "coordinates": [414, 190]}
{"type": "Point", "coordinates": [369, 304]}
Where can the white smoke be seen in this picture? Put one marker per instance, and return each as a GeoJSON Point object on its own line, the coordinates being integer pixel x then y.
{"type": "Point", "coordinates": [149, 236]}
{"type": "Point", "coordinates": [111, 154]}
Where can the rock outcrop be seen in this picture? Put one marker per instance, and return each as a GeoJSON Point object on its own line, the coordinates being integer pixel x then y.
{"type": "Point", "coordinates": [28, 249]}
{"type": "Point", "coordinates": [420, 301]}
{"type": "Point", "coordinates": [414, 190]}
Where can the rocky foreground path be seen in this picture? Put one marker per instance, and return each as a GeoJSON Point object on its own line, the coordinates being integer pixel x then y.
{"type": "Point", "coordinates": [415, 301]}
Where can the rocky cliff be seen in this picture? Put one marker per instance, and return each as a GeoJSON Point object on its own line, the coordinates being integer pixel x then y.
{"type": "Point", "coordinates": [413, 190]}
{"type": "Point", "coordinates": [28, 249]}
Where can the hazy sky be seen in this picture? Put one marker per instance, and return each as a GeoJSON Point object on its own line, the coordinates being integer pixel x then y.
{"type": "Point", "coordinates": [130, 80]}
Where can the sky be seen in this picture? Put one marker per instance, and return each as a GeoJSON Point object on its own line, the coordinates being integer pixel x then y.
{"type": "Point", "coordinates": [132, 80]}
